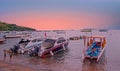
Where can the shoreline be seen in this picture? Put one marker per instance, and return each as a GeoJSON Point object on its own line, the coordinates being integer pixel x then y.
{"type": "Point", "coordinates": [6, 66]}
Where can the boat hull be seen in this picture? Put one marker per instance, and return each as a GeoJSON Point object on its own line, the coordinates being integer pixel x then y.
{"type": "Point", "coordinates": [53, 50]}
{"type": "Point", "coordinates": [2, 40]}
{"type": "Point", "coordinates": [97, 56]}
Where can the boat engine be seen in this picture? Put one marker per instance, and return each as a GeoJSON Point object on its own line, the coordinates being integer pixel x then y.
{"type": "Point", "coordinates": [15, 49]}
{"type": "Point", "coordinates": [34, 51]}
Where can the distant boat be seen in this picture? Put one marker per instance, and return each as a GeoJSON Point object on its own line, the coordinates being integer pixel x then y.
{"type": "Point", "coordinates": [103, 30]}
{"type": "Point", "coordinates": [2, 40]}
{"type": "Point", "coordinates": [94, 47]}
{"type": "Point", "coordinates": [76, 38]}
{"type": "Point", "coordinates": [86, 30]}
{"type": "Point", "coordinates": [59, 31]}
{"type": "Point", "coordinates": [15, 34]}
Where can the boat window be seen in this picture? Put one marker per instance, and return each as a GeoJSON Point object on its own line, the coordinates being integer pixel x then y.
{"type": "Point", "coordinates": [39, 40]}
{"type": "Point", "coordinates": [34, 40]}
{"type": "Point", "coordinates": [61, 40]}
{"type": "Point", "coordinates": [50, 41]}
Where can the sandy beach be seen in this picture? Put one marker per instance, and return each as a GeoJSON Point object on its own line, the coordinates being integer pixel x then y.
{"type": "Point", "coordinates": [5, 66]}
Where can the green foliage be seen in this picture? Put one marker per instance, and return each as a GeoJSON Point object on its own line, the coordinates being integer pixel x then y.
{"type": "Point", "coordinates": [12, 27]}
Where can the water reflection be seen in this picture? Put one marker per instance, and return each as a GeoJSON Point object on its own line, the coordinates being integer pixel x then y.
{"type": "Point", "coordinates": [53, 63]}
{"type": "Point", "coordinates": [92, 65]}
{"type": "Point", "coordinates": [56, 59]}
{"type": "Point", "coordinates": [34, 61]}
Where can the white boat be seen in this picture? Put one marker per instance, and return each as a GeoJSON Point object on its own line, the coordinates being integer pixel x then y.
{"type": "Point", "coordinates": [33, 42]}
{"type": "Point", "coordinates": [51, 46]}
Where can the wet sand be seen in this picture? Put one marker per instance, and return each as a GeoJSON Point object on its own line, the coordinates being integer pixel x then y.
{"type": "Point", "coordinates": [5, 66]}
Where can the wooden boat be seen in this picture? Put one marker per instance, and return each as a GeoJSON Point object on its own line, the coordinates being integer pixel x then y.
{"type": "Point", "coordinates": [94, 47]}
{"type": "Point", "coordinates": [51, 46]}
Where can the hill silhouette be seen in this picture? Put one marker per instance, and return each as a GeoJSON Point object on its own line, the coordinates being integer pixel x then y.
{"type": "Point", "coordinates": [13, 27]}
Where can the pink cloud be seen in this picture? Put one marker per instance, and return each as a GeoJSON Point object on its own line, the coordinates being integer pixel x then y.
{"type": "Point", "coordinates": [59, 20]}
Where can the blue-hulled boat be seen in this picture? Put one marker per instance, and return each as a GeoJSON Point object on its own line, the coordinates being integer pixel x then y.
{"type": "Point", "coordinates": [93, 47]}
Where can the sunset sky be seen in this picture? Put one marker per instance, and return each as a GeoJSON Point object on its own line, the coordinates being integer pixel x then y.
{"type": "Point", "coordinates": [61, 14]}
